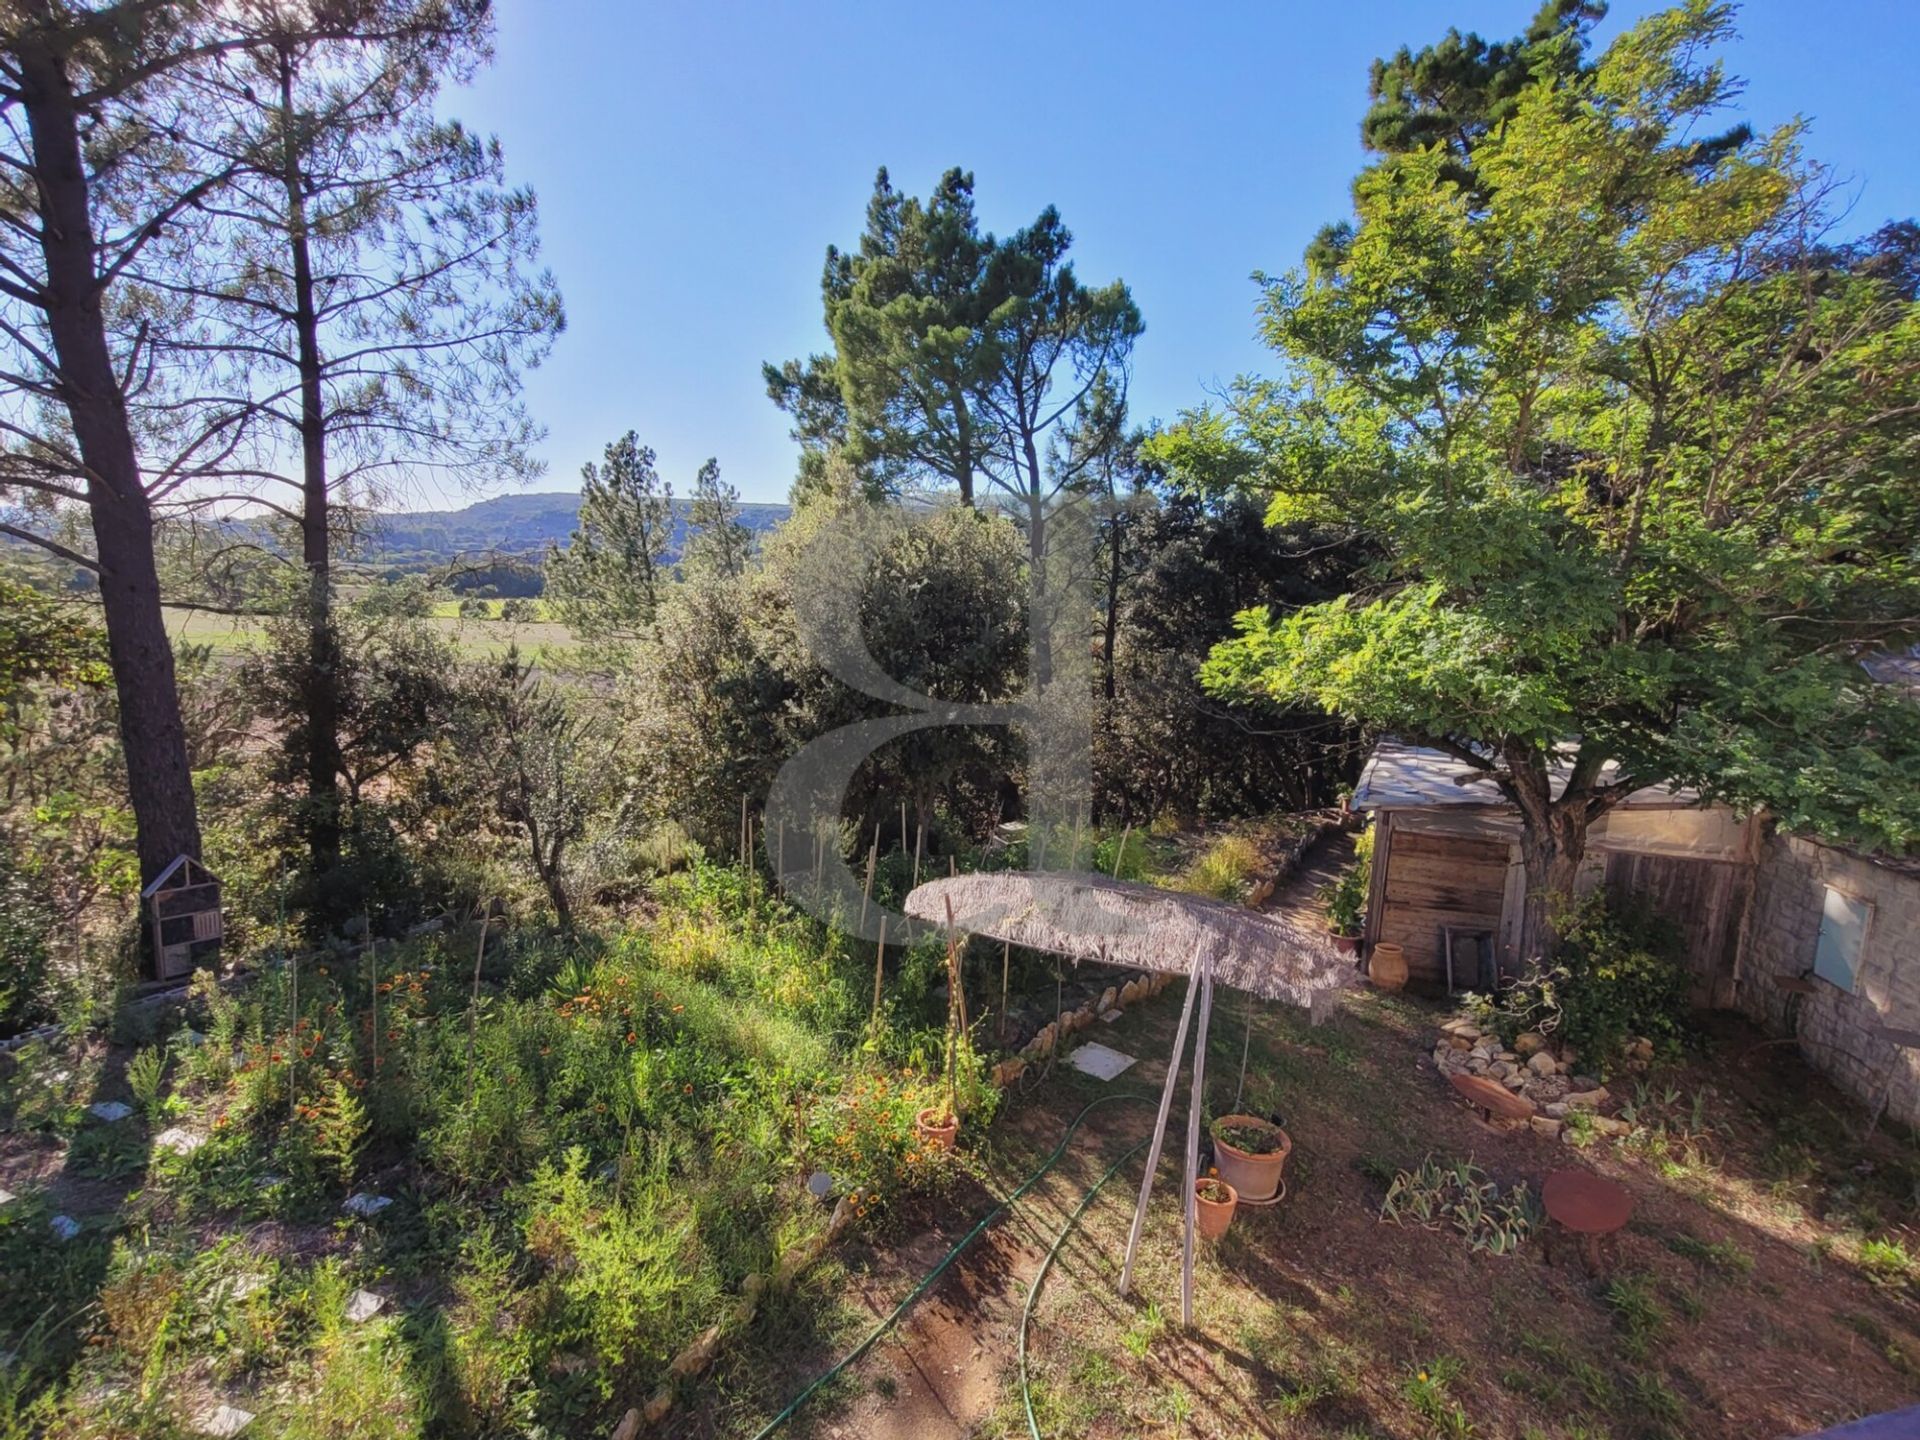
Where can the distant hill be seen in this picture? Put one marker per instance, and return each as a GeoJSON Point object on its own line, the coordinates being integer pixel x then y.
{"type": "Point", "coordinates": [519, 526]}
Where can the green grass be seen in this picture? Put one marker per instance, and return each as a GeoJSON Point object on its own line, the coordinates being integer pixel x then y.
{"type": "Point", "coordinates": [588, 1156]}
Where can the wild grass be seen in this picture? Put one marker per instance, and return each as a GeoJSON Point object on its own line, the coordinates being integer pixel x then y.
{"type": "Point", "coordinates": [586, 1155]}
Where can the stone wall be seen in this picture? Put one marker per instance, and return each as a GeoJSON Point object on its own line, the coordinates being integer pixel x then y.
{"type": "Point", "coordinates": [1837, 1030]}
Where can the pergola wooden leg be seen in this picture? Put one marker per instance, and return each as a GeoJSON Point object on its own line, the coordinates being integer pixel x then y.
{"type": "Point", "coordinates": [1194, 1107]}
{"type": "Point", "coordinates": [1160, 1122]}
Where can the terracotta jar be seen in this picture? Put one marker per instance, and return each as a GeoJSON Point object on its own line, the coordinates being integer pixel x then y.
{"type": "Point", "coordinates": [1212, 1217]}
{"type": "Point", "coordinates": [1253, 1176]}
{"type": "Point", "coordinates": [1387, 966]}
{"type": "Point", "coordinates": [934, 1132]}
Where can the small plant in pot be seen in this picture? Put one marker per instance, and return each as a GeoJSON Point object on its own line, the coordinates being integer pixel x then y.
{"type": "Point", "coordinates": [1346, 902]}
{"type": "Point", "coordinates": [1346, 898]}
{"type": "Point", "coordinates": [1214, 1202]}
{"type": "Point", "coordinates": [1251, 1154]}
{"type": "Point", "coordinates": [938, 1126]}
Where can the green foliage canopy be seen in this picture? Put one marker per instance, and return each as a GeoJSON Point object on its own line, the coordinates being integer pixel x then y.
{"type": "Point", "coordinates": [1638, 453]}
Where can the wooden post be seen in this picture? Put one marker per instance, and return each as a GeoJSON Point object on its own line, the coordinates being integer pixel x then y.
{"type": "Point", "coordinates": [879, 963]}
{"type": "Point", "coordinates": [1160, 1121]}
{"type": "Point", "coordinates": [905, 839]}
{"type": "Point", "coordinates": [866, 895]}
{"type": "Point", "coordinates": [373, 990]}
{"type": "Point", "coordinates": [473, 1004]}
{"type": "Point", "coordinates": [293, 1036]}
{"type": "Point", "coordinates": [1121, 854]}
{"type": "Point", "coordinates": [919, 849]}
{"type": "Point", "coordinates": [1006, 959]}
{"type": "Point", "coordinates": [780, 852]}
{"type": "Point", "coordinates": [1194, 1106]}
{"type": "Point", "coordinates": [1246, 1044]}
{"type": "Point", "coordinates": [956, 1005]}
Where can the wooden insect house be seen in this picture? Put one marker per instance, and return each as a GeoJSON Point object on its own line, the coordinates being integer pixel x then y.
{"type": "Point", "coordinates": [183, 907]}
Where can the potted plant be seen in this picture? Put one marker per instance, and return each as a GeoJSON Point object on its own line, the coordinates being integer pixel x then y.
{"type": "Point", "coordinates": [1346, 903]}
{"type": "Point", "coordinates": [937, 1126]}
{"type": "Point", "coordinates": [1214, 1201]}
{"type": "Point", "coordinates": [1250, 1154]}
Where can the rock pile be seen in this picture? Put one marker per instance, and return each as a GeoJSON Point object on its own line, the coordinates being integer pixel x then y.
{"type": "Point", "coordinates": [1532, 1068]}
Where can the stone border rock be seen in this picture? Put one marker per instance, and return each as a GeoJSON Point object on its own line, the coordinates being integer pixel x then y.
{"type": "Point", "coordinates": [1532, 1068]}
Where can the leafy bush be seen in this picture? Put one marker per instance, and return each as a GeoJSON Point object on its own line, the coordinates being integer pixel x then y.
{"type": "Point", "coordinates": [26, 920]}
{"type": "Point", "coordinates": [1346, 897]}
{"type": "Point", "coordinates": [1225, 870]}
{"type": "Point", "coordinates": [1620, 976]}
{"type": "Point", "coordinates": [625, 1259]}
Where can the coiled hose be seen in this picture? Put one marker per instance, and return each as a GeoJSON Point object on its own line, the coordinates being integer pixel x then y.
{"type": "Point", "coordinates": [927, 1281]}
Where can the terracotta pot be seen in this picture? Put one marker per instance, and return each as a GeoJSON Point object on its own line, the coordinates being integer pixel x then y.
{"type": "Point", "coordinates": [1213, 1216]}
{"type": "Point", "coordinates": [1387, 966]}
{"type": "Point", "coordinates": [1257, 1177]}
{"type": "Point", "coordinates": [1345, 944]}
{"type": "Point", "coordinates": [934, 1132]}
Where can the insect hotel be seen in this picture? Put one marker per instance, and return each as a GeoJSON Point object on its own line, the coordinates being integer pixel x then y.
{"type": "Point", "coordinates": [183, 907]}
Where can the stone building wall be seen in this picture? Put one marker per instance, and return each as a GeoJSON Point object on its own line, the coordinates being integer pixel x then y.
{"type": "Point", "coordinates": [1836, 1030]}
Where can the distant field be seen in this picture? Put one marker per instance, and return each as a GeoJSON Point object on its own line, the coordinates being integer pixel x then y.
{"type": "Point", "coordinates": [450, 609]}
{"type": "Point", "coordinates": [479, 638]}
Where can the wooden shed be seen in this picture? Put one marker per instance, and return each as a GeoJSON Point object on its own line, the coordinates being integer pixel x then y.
{"type": "Point", "coordinates": [1447, 868]}
{"type": "Point", "coordinates": [183, 909]}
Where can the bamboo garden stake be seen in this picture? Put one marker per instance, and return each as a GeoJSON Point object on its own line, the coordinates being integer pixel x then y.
{"type": "Point", "coordinates": [1006, 959]}
{"type": "Point", "coordinates": [866, 895]}
{"type": "Point", "coordinates": [473, 1004]}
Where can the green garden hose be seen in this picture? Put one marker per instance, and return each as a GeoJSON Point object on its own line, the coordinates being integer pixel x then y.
{"type": "Point", "coordinates": [927, 1281]}
{"type": "Point", "coordinates": [1033, 1290]}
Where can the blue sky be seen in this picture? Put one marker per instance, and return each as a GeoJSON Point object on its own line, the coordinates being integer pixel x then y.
{"type": "Point", "coordinates": [694, 160]}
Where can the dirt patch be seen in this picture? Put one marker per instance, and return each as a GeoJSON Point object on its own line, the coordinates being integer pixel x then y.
{"type": "Point", "coordinates": [1731, 1308]}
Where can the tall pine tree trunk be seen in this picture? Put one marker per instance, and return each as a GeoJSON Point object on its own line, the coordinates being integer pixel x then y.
{"type": "Point", "coordinates": [320, 673]}
{"type": "Point", "coordinates": [159, 780]}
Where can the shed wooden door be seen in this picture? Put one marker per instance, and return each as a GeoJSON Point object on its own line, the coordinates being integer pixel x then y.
{"type": "Point", "coordinates": [1434, 881]}
{"type": "Point", "coordinates": [1703, 898]}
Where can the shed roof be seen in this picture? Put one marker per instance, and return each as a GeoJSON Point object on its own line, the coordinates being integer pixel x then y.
{"type": "Point", "coordinates": [1399, 776]}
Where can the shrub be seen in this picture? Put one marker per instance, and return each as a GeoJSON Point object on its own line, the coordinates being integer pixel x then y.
{"type": "Point", "coordinates": [26, 920]}
{"type": "Point", "coordinates": [1225, 870]}
{"type": "Point", "coordinates": [628, 1266]}
{"type": "Point", "coordinates": [1620, 976]}
{"type": "Point", "coordinates": [1885, 1261]}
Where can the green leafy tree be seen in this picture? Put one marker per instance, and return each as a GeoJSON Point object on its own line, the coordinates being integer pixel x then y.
{"type": "Point", "coordinates": [1638, 463]}
{"type": "Point", "coordinates": [535, 751]}
{"type": "Point", "coordinates": [608, 583]}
